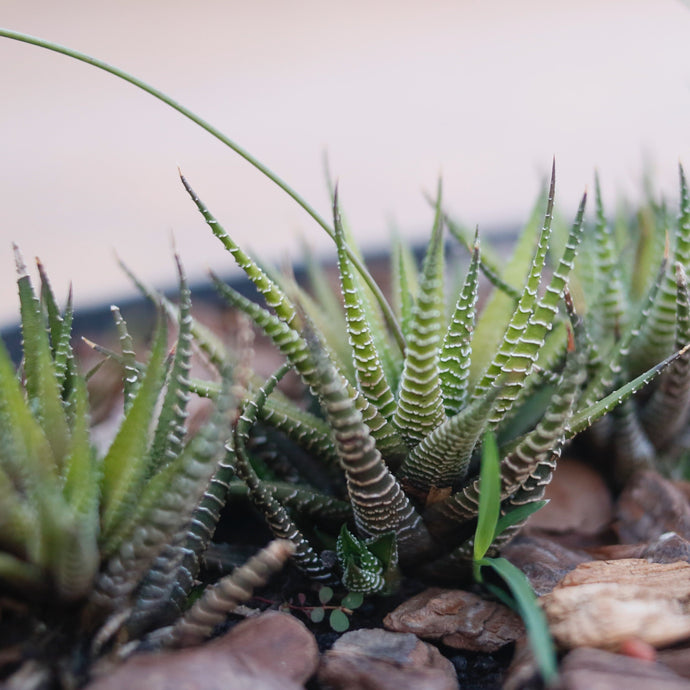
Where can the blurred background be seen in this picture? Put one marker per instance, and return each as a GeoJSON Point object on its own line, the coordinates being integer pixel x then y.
{"type": "Point", "coordinates": [396, 93]}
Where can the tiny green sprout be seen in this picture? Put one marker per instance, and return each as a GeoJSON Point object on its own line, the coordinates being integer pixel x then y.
{"type": "Point", "coordinates": [317, 614]}
{"type": "Point", "coordinates": [369, 565]}
{"type": "Point", "coordinates": [339, 616]}
{"type": "Point", "coordinates": [325, 594]}
{"type": "Point", "coordinates": [338, 621]}
{"type": "Point", "coordinates": [521, 597]}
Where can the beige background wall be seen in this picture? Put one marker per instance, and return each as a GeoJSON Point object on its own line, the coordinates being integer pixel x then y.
{"type": "Point", "coordinates": [397, 92]}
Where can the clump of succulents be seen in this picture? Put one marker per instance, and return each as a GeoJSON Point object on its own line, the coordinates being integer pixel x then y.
{"type": "Point", "coordinates": [389, 448]}
{"type": "Point", "coordinates": [634, 283]}
{"type": "Point", "coordinates": [401, 406]}
{"type": "Point", "coordinates": [96, 552]}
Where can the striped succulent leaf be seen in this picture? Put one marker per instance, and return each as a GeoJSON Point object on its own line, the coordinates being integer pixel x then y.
{"type": "Point", "coordinates": [277, 516]}
{"type": "Point", "coordinates": [370, 373]}
{"type": "Point", "coordinates": [420, 403]}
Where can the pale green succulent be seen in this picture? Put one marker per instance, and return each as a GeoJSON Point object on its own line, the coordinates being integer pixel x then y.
{"type": "Point", "coordinates": [634, 283]}
{"type": "Point", "coordinates": [96, 552]}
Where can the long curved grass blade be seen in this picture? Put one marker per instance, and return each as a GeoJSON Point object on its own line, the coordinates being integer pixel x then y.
{"type": "Point", "coordinates": [263, 169]}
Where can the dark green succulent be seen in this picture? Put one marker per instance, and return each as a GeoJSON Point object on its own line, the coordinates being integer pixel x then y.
{"type": "Point", "coordinates": [96, 552]}
{"type": "Point", "coordinates": [401, 409]}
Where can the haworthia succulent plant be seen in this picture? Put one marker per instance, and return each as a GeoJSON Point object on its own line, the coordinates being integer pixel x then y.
{"type": "Point", "coordinates": [95, 548]}
{"type": "Point", "coordinates": [409, 453]}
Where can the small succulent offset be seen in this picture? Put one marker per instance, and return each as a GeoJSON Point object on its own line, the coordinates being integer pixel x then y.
{"type": "Point", "coordinates": [404, 402]}
{"type": "Point", "coordinates": [635, 281]}
{"type": "Point", "coordinates": [96, 552]}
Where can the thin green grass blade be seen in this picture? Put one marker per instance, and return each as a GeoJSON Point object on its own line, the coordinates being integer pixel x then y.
{"type": "Point", "coordinates": [525, 602]}
{"type": "Point", "coordinates": [489, 496]}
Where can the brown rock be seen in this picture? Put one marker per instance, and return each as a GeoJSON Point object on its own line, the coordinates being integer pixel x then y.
{"type": "Point", "coordinates": [584, 669]}
{"type": "Point", "coordinates": [580, 501]}
{"type": "Point", "coordinates": [461, 620]}
{"type": "Point", "coordinates": [381, 660]}
{"type": "Point", "coordinates": [543, 561]}
{"type": "Point", "coordinates": [603, 603]}
{"type": "Point", "coordinates": [649, 506]}
{"type": "Point", "coordinates": [274, 651]}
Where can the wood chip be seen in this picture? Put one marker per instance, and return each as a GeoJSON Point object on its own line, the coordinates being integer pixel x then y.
{"type": "Point", "coordinates": [604, 603]}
